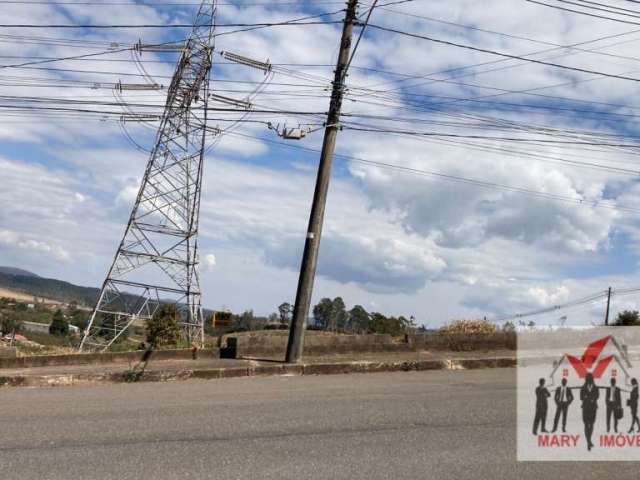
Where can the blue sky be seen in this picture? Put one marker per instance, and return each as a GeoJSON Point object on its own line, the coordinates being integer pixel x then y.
{"type": "Point", "coordinates": [395, 242]}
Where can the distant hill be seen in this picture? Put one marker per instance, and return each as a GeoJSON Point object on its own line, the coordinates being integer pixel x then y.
{"type": "Point", "coordinates": [32, 284]}
{"type": "Point", "coordinates": [17, 271]}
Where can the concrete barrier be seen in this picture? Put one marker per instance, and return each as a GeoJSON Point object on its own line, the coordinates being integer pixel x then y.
{"type": "Point", "coordinates": [256, 369]}
{"type": "Point", "coordinates": [7, 352]}
{"type": "Point", "coordinates": [461, 341]}
{"type": "Point", "coordinates": [101, 358]}
{"type": "Point", "coordinates": [315, 344]}
{"type": "Point", "coordinates": [273, 344]}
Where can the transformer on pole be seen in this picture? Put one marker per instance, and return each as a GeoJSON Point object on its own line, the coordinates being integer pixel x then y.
{"type": "Point", "coordinates": [157, 260]}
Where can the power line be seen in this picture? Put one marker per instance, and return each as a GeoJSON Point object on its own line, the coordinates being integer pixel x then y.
{"type": "Point", "coordinates": [364, 27]}
{"type": "Point", "coordinates": [572, 47]}
{"type": "Point", "coordinates": [176, 25]}
{"type": "Point", "coordinates": [592, 298]}
{"type": "Point", "coordinates": [602, 8]}
{"type": "Point", "coordinates": [574, 303]}
{"type": "Point", "coordinates": [163, 4]}
{"type": "Point", "coordinates": [594, 15]}
{"type": "Point", "coordinates": [485, 137]}
{"type": "Point", "coordinates": [454, 178]}
{"type": "Point", "coordinates": [502, 54]}
{"type": "Point", "coordinates": [506, 35]}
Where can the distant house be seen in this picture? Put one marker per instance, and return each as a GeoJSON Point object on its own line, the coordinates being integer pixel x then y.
{"type": "Point", "coordinates": [44, 328]}
{"type": "Point", "coordinates": [35, 327]}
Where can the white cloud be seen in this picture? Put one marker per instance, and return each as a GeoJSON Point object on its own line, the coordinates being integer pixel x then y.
{"type": "Point", "coordinates": [12, 239]}
{"type": "Point", "coordinates": [209, 262]}
{"type": "Point", "coordinates": [391, 240]}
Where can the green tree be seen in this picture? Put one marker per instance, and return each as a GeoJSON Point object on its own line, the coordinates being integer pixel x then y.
{"type": "Point", "coordinates": [338, 315]}
{"type": "Point", "coordinates": [509, 327]}
{"type": "Point", "coordinates": [72, 307]}
{"type": "Point", "coordinates": [378, 323]}
{"type": "Point", "coordinates": [627, 318]}
{"type": "Point", "coordinates": [163, 328]}
{"type": "Point", "coordinates": [59, 325]}
{"type": "Point", "coordinates": [76, 316]}
{"type": "Point", "coordinates": [389, 325]}
{"type": "Point", "coordinates": [110, 325]}
{"type": "Point", "coordinates": [284, 310]}
{"type": "Point", "coordinates": [358, 319]}
{"type": "Point", "coordinates": [10, 322]}
{"type": "Point", "coordinates": [406, 324]}
{"type": "Point", "coordinates": [322, 313]}
{"type": "Point", "coordinates": [80, 319]}
{"type": "Point", "coordinates": [246, 321]}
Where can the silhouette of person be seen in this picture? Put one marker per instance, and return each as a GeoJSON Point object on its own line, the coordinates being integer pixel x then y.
{"type": "Point", "coordinates": [614, 405]}
{"type": "Point", "coordinates": [563, 398]}
{"type": "Point", "coordinates": [542, 405]}
{"type": "Point", "coordinates": [632, 402]}
{"type": "Point", "coordinates": [589, 395]}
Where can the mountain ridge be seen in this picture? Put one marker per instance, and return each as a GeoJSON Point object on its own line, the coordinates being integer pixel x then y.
{"type": "Point", "coordinates": [17, 271]}
{"type": "Point", "coordinates": [52, 288]}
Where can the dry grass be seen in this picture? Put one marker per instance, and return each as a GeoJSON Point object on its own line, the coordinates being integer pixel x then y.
{"type": "Point", "coordinates": [25, 297]}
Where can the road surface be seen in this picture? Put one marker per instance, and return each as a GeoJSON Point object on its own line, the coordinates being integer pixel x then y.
{"type": "Point", "coordinates": [419, 425]}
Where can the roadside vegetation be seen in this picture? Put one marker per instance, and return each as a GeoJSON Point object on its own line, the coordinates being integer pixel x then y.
{"type": "Point", "coordinates": [63, 325]}
{"type": "Point", "coordinates": [17, 319]}
{"type": "Point", "coordinates": [331, 315]}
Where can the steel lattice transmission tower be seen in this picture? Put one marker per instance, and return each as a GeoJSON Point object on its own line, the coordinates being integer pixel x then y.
{"type": "Point", "coordinates": [157, 260]}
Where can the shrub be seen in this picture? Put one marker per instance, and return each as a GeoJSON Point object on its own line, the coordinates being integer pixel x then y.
{"type": "Point", "coordinates": [469, 327]}
{"type": "Point", "coordinates": [111, 325]}
{"type": "Point", "coordinates": [59, 326]}
{"type": "Point", "coordinates": [9, 323]}
{"type": "Point", "coordinates": [163, 328]}
{"type": "Point", "coordinates": [627, 318]}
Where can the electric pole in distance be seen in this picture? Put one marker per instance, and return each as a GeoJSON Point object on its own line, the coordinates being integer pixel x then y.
{"type": "Point", "coordinates": [606, 315]}
{"type": "Point", "coordinates": [312, 242]}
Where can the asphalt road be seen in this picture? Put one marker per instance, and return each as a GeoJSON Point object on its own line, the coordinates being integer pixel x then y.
{"type": "Point", "coordinates": [419, 425]}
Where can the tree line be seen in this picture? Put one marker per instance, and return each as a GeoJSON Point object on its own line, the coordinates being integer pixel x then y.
{"type": "Point", "coordinates": [329, 315]}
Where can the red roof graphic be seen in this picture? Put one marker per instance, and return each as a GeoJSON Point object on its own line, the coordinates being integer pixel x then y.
{"type": "Point", "coordinates": [584, 364]}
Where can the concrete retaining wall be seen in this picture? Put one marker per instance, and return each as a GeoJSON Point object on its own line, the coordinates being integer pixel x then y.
{"type": "Point", "coordinates": [462, 342]}
{"type": "Point", "coordinates": [274, 344]}
{"type": "Point", "coordinates": [255, 369]}
{"type": "Point", "coordinates": [7, 352]}
{"type": "Point", "coordinates": [101, 358]}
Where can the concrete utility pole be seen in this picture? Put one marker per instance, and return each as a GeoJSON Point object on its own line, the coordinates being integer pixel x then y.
{"type": "Point", "coordinates": [606, 315]}
{"type": "Point", "coordinates": [312, 243]}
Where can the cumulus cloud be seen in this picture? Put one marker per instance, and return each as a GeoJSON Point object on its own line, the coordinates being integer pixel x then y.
{"type": "Point", "coordinates": [381, 265]}
{"type": "Point", "coordinates": [266, 210]}
{"type": "Point", "coordinates": [390, 239]}
{"type": "Point", "coordinates": [12, 239]}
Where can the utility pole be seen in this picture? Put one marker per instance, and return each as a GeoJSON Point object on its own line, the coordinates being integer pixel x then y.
{"type": "Point", "coordinates": [312, 242]}
{"type": "Point", "coordinates": [606, 315]}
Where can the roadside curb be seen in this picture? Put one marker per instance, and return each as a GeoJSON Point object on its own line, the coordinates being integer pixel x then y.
{"type": "Point", "coordinates": [255, 369]}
